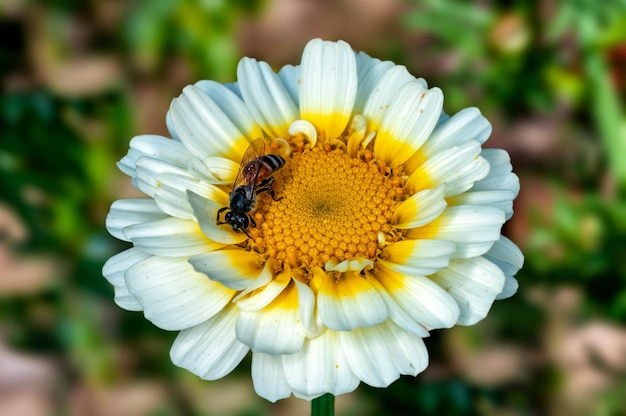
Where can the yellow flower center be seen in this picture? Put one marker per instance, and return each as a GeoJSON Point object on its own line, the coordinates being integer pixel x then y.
{"type": "Point", "coordinates": [330, 206]}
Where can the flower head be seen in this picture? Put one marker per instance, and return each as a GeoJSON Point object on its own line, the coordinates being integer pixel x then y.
{"type": "Point", "coordinates": [361, 218]}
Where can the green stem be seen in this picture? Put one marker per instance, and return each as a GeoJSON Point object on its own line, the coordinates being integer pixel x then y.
{"type": "Point", "coordinates": [323, 405]}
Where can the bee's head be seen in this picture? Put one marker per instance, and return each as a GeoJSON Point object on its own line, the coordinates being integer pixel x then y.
{"type": "Point", "coordinates": [237, 221]}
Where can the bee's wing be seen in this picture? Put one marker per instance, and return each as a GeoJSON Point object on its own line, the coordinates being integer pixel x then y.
{"type": "Point", "coordinates": [248, 173]}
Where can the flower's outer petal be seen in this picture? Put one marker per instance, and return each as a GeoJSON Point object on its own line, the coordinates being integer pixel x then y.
{"type": "Point", "coordinates": [319, 367]}
{"type": "Point", "coordinates": [204, 128]}
{"type": "Point", "coordinates": [168, 185]}
{"type": "Point", "coordinates": [235, 269]}
{"type": "Point", "coordinates": [170, 237]}
{"type": "Point", "coordinates": [349, 302]}
{"type": "Point", "coordinates": [125, 212]}
{"type": "Point", "coordinates": [509, 258]}
{"type": "Point", "coordinates": [380, 354]}
{"type": "Point", "coordinates": [233, 106]}
{"type": "Point", "coordinates": [387, 86]}
{"type": "Point", "coordinates": [266, 97]}
{"type": "Point", "coordinates": [474, 283]}
{"type": "Point", "coordinates": [268, 377]}
{"type": "Point", "coordinates": [396, 313]}
{"type": "Point", "coordinates": [329, 85]}
{"type": "Point", "coordinates": [502, 198]}
{"type": "Point", "coordinates": [425, 301]}
{"type": "Point", "coordinates": [370, 72]}
{"type": "Point", "coordinates": [466, 125]}
{"type": "Point", "coordinates": [273, 329]}
{"type": "Point", "coordinates": [418, 257]}
{"type": "Point", "coordinates": [210, 350]}
{"type": "Point", "coordinates": [290, 77]}
{"type": "Point", "coordinates": [206, 211]}
{"type": "Point", "coordinates": [173, 295]}
{"type": "Point", "coordinates": [421, 208]}
{"type": "Point", "coordinates": [114, 270]}
{"type": "Point", "coordinates": [458, 167]}
{"type": "Point", "coordinates": [500, 174]}
{"type": "Point", "coordinates": [474, 229]}
{"type": "Point", "coordinates": [408, 122]}
{"type": "Point", "coordinates": [157, 147]}
{"type": "Point", "coordinates": [214, 169]}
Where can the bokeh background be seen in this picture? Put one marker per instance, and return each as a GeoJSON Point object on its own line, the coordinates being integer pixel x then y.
{"type": "Point", "coordinates": [79, 78]}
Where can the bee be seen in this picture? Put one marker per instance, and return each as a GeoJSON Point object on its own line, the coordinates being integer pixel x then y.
{"type": "Point", "coordinates": [254, 177]}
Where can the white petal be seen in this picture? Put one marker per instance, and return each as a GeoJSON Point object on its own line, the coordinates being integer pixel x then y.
{"type": "Point", "coordinates": [378, 355]}
{"type": "Point", "coordinates": [500, 174]}
{"type": "Point", "coordinates": [290, 77]}
{"type": "Point", "coordinates": [502, 199]}
{"type": "Point", "coordinates": [210, 350]}
{"type": "Point", "coordinates": [349, 302]}
{"type": "Point", "coordinates": [409, 121]}
{"type": "Point", "coordinates": [370, 72]}
{"type": "Point", "coordinates": [170, 237]}
{"type": "Point", "coordinates": [214, 169]}
{"type": "Point", "coordinates": [157, 147]}
{"type": "Point", "coordinates": [458, 167]}
{"type": "Point", "coordinates": [474, 283]}
{"type": "Point", "coordinates": [306, 303]}
{"type": "Point", "coordinates": [114, 270]}
{"type": "Point", "coordinates": [473, 229]}
{"type": "Point", "coordinates": [206, 211]}
{"type": "Point", "coordinates": [382, 82]}
{"type": "Point", "coordinates": [319, 367]}
{"type": "Point", "coordinates": [268, 377]}
{"type": "Point", "coordinates": [273, 329]}
{"type": "Point", "coordinates": [266, 97]}
{"type": "Point", "coordinates": [418, 257]}
{"type": "Point", "coordinates": [233, 106]}
{"type": "Point", "coordinates": [466, 125]}
{"type": "Point", "coordinates": [173, 295]}
{"type": "Point", "coordinates": [426, 302]}
{"type": "Point", "coordinates": [421, 208]}
{"type": "Point", "coordinates": [204, 128]}
{"type": "Point", "coordinates": [235, 269]}
{"type": "Point", "coordinates": [262, 297]}
{"type": "Point", "coordinates": [328, 87]}
{"type": "Point", "coordinates": [396, 313]}
{"type": "Point", "coordinates": [125, 212]}
{"type": "Point", "coordinates": [509, 258]}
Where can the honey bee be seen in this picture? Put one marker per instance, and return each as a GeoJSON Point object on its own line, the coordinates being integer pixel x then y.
{"type": "Point", "coordinates": [254, 177]}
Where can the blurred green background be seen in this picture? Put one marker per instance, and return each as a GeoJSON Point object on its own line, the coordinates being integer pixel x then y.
{"type": "Point", "coordinates": [80, 78]}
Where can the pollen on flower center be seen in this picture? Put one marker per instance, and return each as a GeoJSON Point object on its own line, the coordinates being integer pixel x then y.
{"type": "Point", "coordinates": [330, 206]}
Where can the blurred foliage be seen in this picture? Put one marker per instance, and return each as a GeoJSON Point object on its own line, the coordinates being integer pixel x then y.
{"type": "Point", "coordinates": [518, 61]}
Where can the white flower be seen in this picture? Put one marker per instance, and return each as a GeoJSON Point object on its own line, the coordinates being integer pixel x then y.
{"type": "Point", "coordinates": [385, 224]}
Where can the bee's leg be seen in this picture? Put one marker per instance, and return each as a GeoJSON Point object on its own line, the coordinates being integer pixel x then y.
{"type": "Point", "coordinates": [252, 221]}
{"type": "Point", "coordinates": [219, 212]}
{"type": "Point", "coordinates": [267, 186]}
{"type": "Point", "coordinates": [246, 233]}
